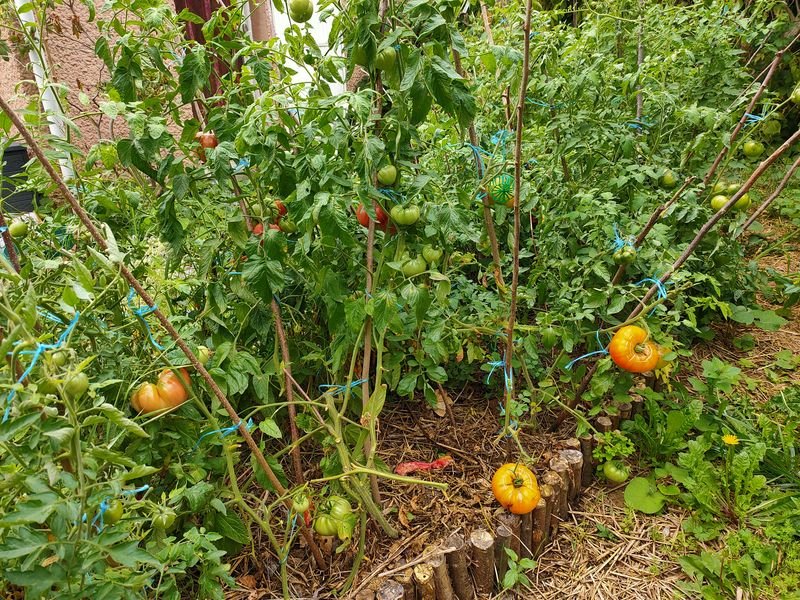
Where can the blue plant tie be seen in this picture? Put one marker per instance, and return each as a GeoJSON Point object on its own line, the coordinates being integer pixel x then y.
{"type": "Point", "coordinates": [3, 229]}
{"type": "Point", "coordinates": [140, 313]}
{"type": "Point", "coordinates": [500, 138]}
{"type": "Point", "coordinates": [35, 355]}
{"type": "Point", "coordinates": [335, 389]}
{"type": "Point", "coordinates": [49, 316]}
{"type": "Point", "coordinates": [477, 151]}
{"type": "Point", "coordinates": [104, 506]}
{"type": "Point", "coordinates": [640, 124]}
{"type": "Point", "coordinates": [496, 364]}
{"type": "Point", "coordinates": [508, 372]}
{"type": "Point", "coordinates": [234, 273]}
{"type": "Point", "coordinates": [661, 293]}
{"type": "Point", "coordinates": [138, 490]}
{"type": "Point", "coordinates": [544, 104]}
{"type": "Point", "coordinates": [619, 241]}
{"type": "Point", "coordinates": [391, 194]}
{"type": "Point", "coordinates": [751, 118]}
{"type": "Point", "coordinates": [243, 163]}
{"type": "Point", "coordinates": [225, 431]}
{"type": "Point", "coordinates": [603, 351]}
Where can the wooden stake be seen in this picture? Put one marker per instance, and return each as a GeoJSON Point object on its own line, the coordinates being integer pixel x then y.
{"type": "Point", "coordinates": [525, 532]}
{"type": "Point", "coordinates": [423, 578]}
{"type": "Point", "coordinates": [587, 448]}
{"type": "Point", "coordinates": [573, 443]}
{"type": "Point", "coordinates": [603, 424]}
{"type": "Point", "coordinates": [553, 479]}
{"type": "Point", "coordinates": [540, 526]}
{"type": "Point", "coordinates": [614, 417]}
{"type": "Point", "coordinates": [514, 523]}
{"type": "Point", "coordinates": [625, 411]}
{"type": "Point", "coordinates": [441, 578]}
{"type": "Point", "coordinates": [391, 590]}
{"type": "Point", "coordinates": [560, 467]}
{"type": "Point", "coordinates": [574, 459]}
{"type": "Point", "coordinates": [457, 566]}
{"type": "Point", "coordinates": [482, 544]}
{"type": "Point", "coordinates": [502, 540]}
{"type": "Point", "coordinates": [637, 403]}
{"type": "Point", "coordinates": [406, 579]}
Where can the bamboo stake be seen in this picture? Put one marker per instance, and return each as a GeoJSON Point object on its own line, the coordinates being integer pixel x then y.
{"type": "Point", "coordinates": [482, 544]}
{"type": "Point", "coordinates": [457, 566]}
{"type": "Point", "coordinates": [148, 300]}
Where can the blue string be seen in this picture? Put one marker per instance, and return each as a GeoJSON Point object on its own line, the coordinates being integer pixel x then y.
{"type": "Point", "coordinates": [234, 272]}
{"type": "Point", "coordinates": [3, 229]}
{"type": "Point", "coordinates": [751, 119]}
{"type": "Point", "coordinates": [241, 165]}
{"type": "Point", "coordinates": [662, 290]}
{"type": "Point", "coordinates": [291, 533]}
{"type": "Point", "coordinates": [603, 351]}
{"type": "Point", "coordinates": [225, 431]}
{"type": "Point", "coordinates": [104, 506]}
{"type": "Point", "coordinates": [500, 138]}
{"type": "Point", "coordinates": [391, 194]}
{"type": "Point", "coordinates": [35, 356]}
{"type": "Point", "coordinates": [619, 241]}
{"type": "Point", "coordinates": [140, 313]}
{"type": "Point", "coordinates": [544, 104]}
{"type": "Point", "coordinates": [508, 371]}
{"type": "Point", "coordinates": [477, 151]}
{"type": "Point", "coordinates": [49, 316]}
{"type": "Point", "coordinates": [640, 124]}
{"type": "Point", "coordinates": [340, 389]}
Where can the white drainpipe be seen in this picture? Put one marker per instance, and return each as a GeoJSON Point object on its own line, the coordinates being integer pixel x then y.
{"type": "Point", "coordinates": [50, 102]}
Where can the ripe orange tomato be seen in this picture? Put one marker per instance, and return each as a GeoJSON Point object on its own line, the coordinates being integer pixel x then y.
{"type": "Point", "coordinates": [173, 387]}
{"type": "Point", "coordinates": [258, 229]}
{"type": "Point", "coordinates": [515, 487]}
{"type": "Point", "coordinates": [146, 399]}
{"type": "Point", "coordinates": [632, 351]}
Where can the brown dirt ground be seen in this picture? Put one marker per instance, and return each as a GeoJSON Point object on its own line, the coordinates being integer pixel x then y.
{"type": "Point", "coordinates": [603, 550]}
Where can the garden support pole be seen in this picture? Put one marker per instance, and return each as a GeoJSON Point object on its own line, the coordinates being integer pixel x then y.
{"type": "Point", "coordinates": [8, 242]}
{"type": "Point", "coordinates": [523, 89]}
{"type": "Point", "coordinates": [148, 300]}
{"type": "Point", "coordinates": [763, 206]}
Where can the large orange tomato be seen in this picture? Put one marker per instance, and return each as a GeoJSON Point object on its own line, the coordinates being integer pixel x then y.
{"type": "Point", "coordinates": [146, 399]}
{"type": "Point", "coordinates": [174, 386]}
{"type": "Point", "coordinates": [631, 350]}
{"type": "Point", "coordinates": [515, 487]}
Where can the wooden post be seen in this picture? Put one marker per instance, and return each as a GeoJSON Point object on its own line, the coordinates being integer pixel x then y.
{"type": "Point", "coordinates": [603, 424]}
{"type": "Point", "coordinates": [406, 579]}
{"type": "Point", "coordinates": [637, 403]}
{"type": "Point", "coordinates": [572, 443]}
{"type": "Point", "coordinates": [525, 532]}
{"type": "Point", "coordinates": [625, 411]}
{"type": "Point", "coordinates": [457, 566]}
{"type": "Point", "coordinates": [573, 458]}
{"type": "Point", "coordinates": [423, 578]}
{"type": "Point", "coordinates": [391, 590]}
{"type": "Point", "coordinates": [482, 544]}
{"type": "Point", "coordinates": [502, 540]}
{"type": "Point", "coordinates": [587, 448]}
{"type": "Point", "coordinates": [514, 523]}
{"type": "Point", "coordinates": [441, 578]}
{"type": "Point", "coordinates": [539, 527]}
{"type": "Point", "coordinates": [327, 544]}
{"type": "Point", "coordinates": [548, 495]}
{"type": "Point", "coordinates": [614, 419]}
{"type": "Point", "coordinates": [553, 479]}
{"type": "Point", "coordinates": [561, 468]}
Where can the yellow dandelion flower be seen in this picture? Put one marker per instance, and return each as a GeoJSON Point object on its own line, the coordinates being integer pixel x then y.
{"type": "Point", "coordinates": [730, 439]}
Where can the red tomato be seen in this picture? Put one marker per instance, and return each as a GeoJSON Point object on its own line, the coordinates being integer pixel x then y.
{"type": "Point", "coordinates": [147, 399]}
{"type": "Point", "coordinates": [275, 226]}
{"type": "Point", "coordinates": [281, 208]}
{"type": "Point", "coordinates": [258, 229]}
{"type": "Point", "coordinates": [173, 387]}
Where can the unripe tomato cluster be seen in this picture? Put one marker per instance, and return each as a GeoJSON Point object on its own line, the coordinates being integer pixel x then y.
{"type": "Point", "coordinates": [171, 390]}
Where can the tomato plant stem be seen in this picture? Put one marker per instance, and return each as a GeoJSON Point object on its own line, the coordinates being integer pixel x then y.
{"type": "Point", "coordinates": [137, 286]}
{"type": "Point", "coordinates": [290, 405]}
{"type": "Point", "coordinates": [509, 354]}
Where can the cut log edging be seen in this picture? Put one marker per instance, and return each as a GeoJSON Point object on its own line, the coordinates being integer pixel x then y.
{"type": "Point", "coordinates": [473, 565]}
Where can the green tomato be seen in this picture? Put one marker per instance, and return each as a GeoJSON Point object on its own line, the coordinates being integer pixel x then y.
{"type": "Point", "coordinates": [76, 385]}
{"type": "Point", "coordinates": [795, 97]}
{"type": "Point", "coordinates": [326, 525]}
{"type": "Point", "coordinates": [432, 255]}
{"type": "Point", "coordinates": [386, 59]}
{"type": "Point", "coordinates": [753, 149]}
{"type": "Point", "coordinates": [720, 187]}
{"type": "Point", "coordinates": [59, 358]}
{"type": "Point", "coordinates": [18, 229]}
{"type": "Point", "coordinates": [743, 203]}
{"type": "Point", "coordinates": [301, 503]}
{"type": "Point", "coordinates": [732, 188]}
{"type": "Point", "coordinates": [338, 507]}
{"type": "Point", "coordinates": [387, 175]}
{"type": "Point", "coordinates": [288, 226]}
{"type": "Point", "coordinates": [549, 338]}
{"type": "Point", "coordinates": [113, 512]}
{"type": "Point", "coordinates": [405, 215]}
{"type": "Point", "coordinates": [414, 266]}
{"type": "Point", "coordinates": [615, 471]}
{"type": "Point", "coordinates": [300, 10]}
{"type": "Point", "coordinates": [164, 520]}
{"type": "Point", "coordinates": [203, 354]}
{"type": "Point", "coordinates": [718, 201]}
{"type": "Point", "coordinates": [668, 180]}
{"type": "Point", "coordinates": [625, 255]}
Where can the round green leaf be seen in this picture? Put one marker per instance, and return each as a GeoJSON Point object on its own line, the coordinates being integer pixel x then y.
{"type": "Point", "coordinates": [642, 495]}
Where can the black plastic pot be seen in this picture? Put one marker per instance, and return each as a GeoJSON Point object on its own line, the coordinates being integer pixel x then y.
{"type": "Point", "coordinates": [14, 159]}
